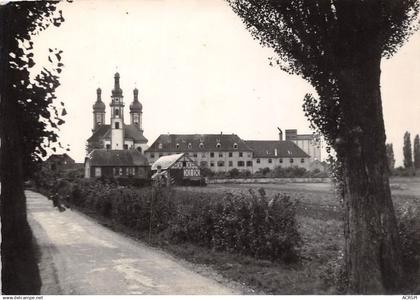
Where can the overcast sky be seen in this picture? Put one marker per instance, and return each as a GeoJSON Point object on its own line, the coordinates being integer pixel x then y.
{"type": "Point", "coordinates": [198, 70]}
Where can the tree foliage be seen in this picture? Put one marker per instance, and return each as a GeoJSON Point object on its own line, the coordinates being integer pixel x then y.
{"type": "Point", "coordinates": [417, 152]}
{"type": "Point", "coordinates": [318, 39]}
{"type": "Point", "coordinates": [407, 151]}
{"type": "Point", "coordinates": [38, 117]}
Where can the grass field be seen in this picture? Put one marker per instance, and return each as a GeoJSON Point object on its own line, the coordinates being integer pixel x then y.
{"type": "Point", "coordinates": [320, 223]}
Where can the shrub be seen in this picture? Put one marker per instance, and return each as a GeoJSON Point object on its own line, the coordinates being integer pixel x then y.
{"type": "Point", "coordinates": [253, 224]}
{"type": "Point", "coordinates": [233, 173]}
{"type": "Point", "coordinates": [409, 230]}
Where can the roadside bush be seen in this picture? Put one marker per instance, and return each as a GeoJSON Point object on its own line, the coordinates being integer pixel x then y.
{"type": "Point", "coordinates": [403, 172]}
{"type": "Point", "coordinates": [409, 230]}
{"type": "Point", "coordinates": [253, 224]}
{"type": "Point", "coordinates": [233, 173]}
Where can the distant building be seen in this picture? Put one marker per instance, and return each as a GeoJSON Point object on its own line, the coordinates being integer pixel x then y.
{"type": "Point", "coordinates": [272, 154]}
{"type": "Point", "coordinates": [307, 142]}
{"type": "Point", "coordinates": [59, 162]}
{"type": "Point", "coordinates": [219, 152]}
{"type": "Point", "coordinates": [177, 168]}
{"type": "Point", "coordinates": [224, 152]}
{"type": "Point", "coordinates": [117, 135]}
{"type": "Point", "coordinates": [116, 163]}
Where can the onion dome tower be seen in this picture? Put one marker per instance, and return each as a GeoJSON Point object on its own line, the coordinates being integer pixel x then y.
{"type": "Point", "coordinates": [136, 111]}
{"type": "Point", "coordinates": [98, 111]}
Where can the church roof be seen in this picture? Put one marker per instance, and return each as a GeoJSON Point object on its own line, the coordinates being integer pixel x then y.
{"type": "Point", "coordinates": [111, 158]}
{"type": "Point", "coordinates": [269, 149]}
{"type": "Point", "coordinates": [198, 143]}
{"type": "Point", "coordinates": [131, 132]}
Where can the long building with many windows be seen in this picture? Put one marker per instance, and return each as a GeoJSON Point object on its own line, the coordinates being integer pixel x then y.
{"type": "Point", "coordinates": [224, 152]}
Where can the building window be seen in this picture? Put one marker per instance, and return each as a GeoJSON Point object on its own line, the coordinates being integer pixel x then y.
{"type": "Point", "coordinates": [241, 163]}
{"type": "Point", "coordinates": [230, 163]}
{"type": "Point", "coordinates": [117, 125]}
{"type": "Point", "coordinates": [211, 154]}
{"type": "Point", "coordinates": [220, 163]}
{"type": "Point", "coordinates": [235, 146]}
{"type": "Point", "coordinates": [281, 160]}
{"type": "Point", "coordinates": [201, 145]}
{"type": "Point", "coordinates": [152, 155]}
{"type": "Point", "coordinates": [160, 154]}
{"type": "Point", "coordinates": [98, 172]}
{"type": "Point", "coordinates": [302, 160]}
{"type": "Point", "coordinates": [212, 164]}
{"type": "Point", "coordinates": [230, 154]}
{"type": "Point", "coordinates": [249, 163]}
{"type": "Point", "coordinates": [195, 155]}
{"type": "Point", "coordinates": [117, 112]}
{"type": "Point", "coordinates": [218, 145]}
{"type": "Point", "coordinates": [177, 146]}
{"type": "Point", "coordinates": [220, 154]}
{"type": "Point", "coordinates": [108, 146]}
{"type": "Point", "coordinates": [160, 146]}
{"type": "Point", "coordinates": [139, 149]}
{"type": "Point", "coordinates": [125, 146]}
{"type": "Point", "coordinates": [291, 160]}
{"type": "Point", "coordinates": [270, 161]}
{"type": "Point", "coordinates": [184, 164]}
{"type": "Point", "coordinates": [258, 161]}
{"type": "Point", "coordinates": [241, 154]}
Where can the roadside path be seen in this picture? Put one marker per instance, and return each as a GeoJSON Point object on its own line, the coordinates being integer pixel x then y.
{"type": "Point", "coordinates": [79, 256]}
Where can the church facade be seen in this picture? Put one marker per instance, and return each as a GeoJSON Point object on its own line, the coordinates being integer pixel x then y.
{"type": "Point", "coordinates": [117, 135]}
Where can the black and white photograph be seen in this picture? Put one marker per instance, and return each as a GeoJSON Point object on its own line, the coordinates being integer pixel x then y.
{"type": "Point", "coordinates": [210, 147]}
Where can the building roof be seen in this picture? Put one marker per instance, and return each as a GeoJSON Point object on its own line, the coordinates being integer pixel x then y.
{"type": "Point", "coordinates": [302, 137]}
{"type": "Point", "coordinates": [165, 162]}
{"type": "Point", "coordinates": [198, 143]}
{"type": "Point", "coordinates": [57, 157]}
{"type": "Point", "coordinates": [117, 158]}
{"type": "Point", "coordinates": [269, 149]}
{"type": "Point", "coordinates": [130, 132]}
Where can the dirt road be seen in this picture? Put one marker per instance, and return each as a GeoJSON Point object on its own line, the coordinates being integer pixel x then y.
{"type": "Point", "coordinates": [79, 256]}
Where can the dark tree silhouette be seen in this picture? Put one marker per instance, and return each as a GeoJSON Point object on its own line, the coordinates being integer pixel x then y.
{"type": "Point", "coordinates": [416, 152]}
{"type": "Point", "coordinates": [390, 156]}
{"type": "Point", "coordinates": [27, 124]}
{"type": "Point", "coordinates": [407, 151]}
{"type": "Point", "coordinates": [337, 46]}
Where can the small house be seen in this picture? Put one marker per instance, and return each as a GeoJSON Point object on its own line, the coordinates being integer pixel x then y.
{"type": "Point", "coordinates": [59, 162]}
{"type": "Point", "coordinates": [116, 164]}
{"type": "Point", "coordinates": [180, 168]}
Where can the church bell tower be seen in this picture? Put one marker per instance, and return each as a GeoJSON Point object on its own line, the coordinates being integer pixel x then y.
{"type": "Point", "coordinates": [98, 111]}
{"type": "Point", "coordinates": [117, 115]}
{"type": "Point", "coordinates": [136, 111]}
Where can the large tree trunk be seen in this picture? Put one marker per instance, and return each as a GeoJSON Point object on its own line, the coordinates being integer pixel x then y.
{"type": "Point", "coordinates": [19, 265]}
{"type": "Point", "coordinates": [372, 249]}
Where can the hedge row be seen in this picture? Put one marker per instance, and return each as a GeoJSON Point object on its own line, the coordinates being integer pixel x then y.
{"type": "Point", "coordinates": [251, 224]}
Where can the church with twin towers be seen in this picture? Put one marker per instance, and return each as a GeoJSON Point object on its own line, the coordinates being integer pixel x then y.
{"type": "Point", "coordinates": [117, 135]}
